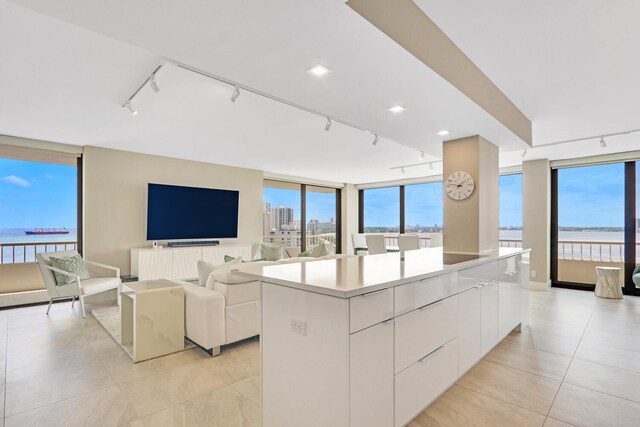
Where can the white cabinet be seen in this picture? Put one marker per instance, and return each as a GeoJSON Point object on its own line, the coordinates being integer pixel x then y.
{"type": "Point", "coordinates": [469, 325]}
{"type": "Point", "coordinates": [489, 317]}
{"type": "Point", "coordinates": [371, 376]}
{"type": "Point", "coordinates": [423, 330]}
{"type": "Point", "coordinates": [180, 263]}
{"type": "Point", "coordinates": [421, 383]}
{"type": "Point", "coordinates": [418, 294]}
{"type": "Point", "coordinates": [509, 303]}
{"type": "Point", "coordinates": [371, 308]}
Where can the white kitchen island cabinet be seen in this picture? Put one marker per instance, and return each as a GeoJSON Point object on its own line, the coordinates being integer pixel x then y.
{"type": "Point", "coordinates": [372, 341]}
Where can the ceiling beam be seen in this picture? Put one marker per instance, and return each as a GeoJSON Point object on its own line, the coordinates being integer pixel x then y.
{"type": "Point", "coordinates": [405, 23]}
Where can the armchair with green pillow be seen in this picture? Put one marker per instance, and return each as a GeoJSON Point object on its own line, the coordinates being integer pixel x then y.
{"type": "Point", "coordinates": [66, 276]}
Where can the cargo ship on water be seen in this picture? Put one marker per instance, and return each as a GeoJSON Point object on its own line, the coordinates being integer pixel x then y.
{"type": "Point", "coordinates": [42, 231]}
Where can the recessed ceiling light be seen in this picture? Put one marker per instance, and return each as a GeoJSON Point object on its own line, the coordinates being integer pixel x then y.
{"type": "Point", "coordinates": [396, 109]}
{"type": "Point", "coordinates": [444, 132]}
{"type": "Point", "coordinates": [318, 70]}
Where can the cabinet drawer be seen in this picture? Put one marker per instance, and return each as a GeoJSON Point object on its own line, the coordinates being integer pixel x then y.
{"type": "Point", "coordinates": [420, 384]}
{"type": "Point", "coordinates": [418, 294]}
{"type": "Point", "coordinates": [371, 308]}
{"type": "Point", "coordinates": [480, 274]}
{"type": "Point", "coordinates": [423, 330]}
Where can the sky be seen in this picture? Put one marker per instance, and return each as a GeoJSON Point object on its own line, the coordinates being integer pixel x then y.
{"type": "Point", "coordinates": [34, 194]}
{"type": "Point", "coordinates": [320, 206]}
{"type": "Point", "coordinates": [591, 196]}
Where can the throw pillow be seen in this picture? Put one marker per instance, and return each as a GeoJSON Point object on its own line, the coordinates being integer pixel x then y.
{"type": "Point", "coordinates": [271, 252]}
{"type": "Point", "coordinates": [74, 265]}
{"type": "Point", "coordinates": [228, 258]}
{"type": "Point", "coordinates": [320, 250]}
{"type": "Point", "coordinates": [204, 270]}
{"type": "Point", "coordinates": [305, 253]}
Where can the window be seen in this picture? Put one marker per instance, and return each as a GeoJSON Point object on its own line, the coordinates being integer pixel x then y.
{"type": "Point", "coordinates": [423, 209]}
{"type": "Point", "coordinates": [590, 221]}
{"type": "Point", "coordinates": [321, 212]}
{"type": "Point", "coordinates": [281, 213]}
{"type": "Point", "coordinates": [382, 210]}
{"type": "Point", "coordinates": [38, 209]}
{"type": "Point", "coordinates": [284, 214]}
{"type": "Point", "coordinates": [510, 210]}
{"type": "Point", "coordinates": [637, 212]}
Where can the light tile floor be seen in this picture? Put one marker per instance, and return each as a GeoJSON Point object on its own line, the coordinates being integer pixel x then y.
{"type": "Point", "coordinates": [577, 364]}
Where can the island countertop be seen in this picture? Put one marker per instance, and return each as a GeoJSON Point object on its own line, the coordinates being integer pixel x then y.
{"type": "Point", "coordinates": [357, 275]}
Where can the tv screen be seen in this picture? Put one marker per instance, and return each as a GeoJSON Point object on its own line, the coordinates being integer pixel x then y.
{"type": "Point", "coordinates": [175, 212]}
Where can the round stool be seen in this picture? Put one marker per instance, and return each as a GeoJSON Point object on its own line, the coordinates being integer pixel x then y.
{"type": "Point", "coordinates": [608, 283]}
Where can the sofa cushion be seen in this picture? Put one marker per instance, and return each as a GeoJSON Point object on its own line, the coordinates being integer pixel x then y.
{"type": "Point", "coordinates": [238, 293]}
{"type": "Point", "coordinates": [226, 273]}
{"type": "Point", "coordinates": [205, 268]}
{"type": "Point", "coordinates": [228, 258]}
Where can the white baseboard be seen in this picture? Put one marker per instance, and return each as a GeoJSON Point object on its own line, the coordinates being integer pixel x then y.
{"type": "Point", "coordinates": [21, 298]}
{"type": "Point", "coordinates": [539, 286]}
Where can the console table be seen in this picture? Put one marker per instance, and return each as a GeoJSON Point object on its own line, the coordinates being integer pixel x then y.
{"type": "Point", "coordinates": [152, 318]}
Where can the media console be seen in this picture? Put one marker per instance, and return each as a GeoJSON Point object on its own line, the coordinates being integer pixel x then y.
{"type": "Point", "coordinates": [181, 263]}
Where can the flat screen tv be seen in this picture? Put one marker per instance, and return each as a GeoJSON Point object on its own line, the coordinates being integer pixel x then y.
{"type": "Point", "coordinates": [175, 212]}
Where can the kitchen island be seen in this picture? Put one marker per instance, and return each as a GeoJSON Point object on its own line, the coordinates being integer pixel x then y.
{"type": "Point", "coordinates": [373, 340]}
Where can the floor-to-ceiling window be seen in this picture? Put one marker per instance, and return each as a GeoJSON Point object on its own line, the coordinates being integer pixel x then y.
{"type": "Point", "coordinates": [510, 191]}
{"type": "Point", "coordinates": [382, 210]}
{"type": "Point", "coordinates": [321, 212]}
{"type": "Point", "coordinates": [299, 215]}
{"type": "Point", "coordinates": [38, 212]}
{"type": "Point", "coordinates": [423, 206]}
{"type": "Point", "coordinates": [590, 222]}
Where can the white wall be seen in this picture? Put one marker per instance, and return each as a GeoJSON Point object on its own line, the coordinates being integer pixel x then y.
{"type": "Point", "coordinates": [115, 198]}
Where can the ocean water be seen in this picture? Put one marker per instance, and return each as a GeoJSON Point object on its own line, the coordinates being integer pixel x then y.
{"type": "Point", "coordinates": [34, 244]}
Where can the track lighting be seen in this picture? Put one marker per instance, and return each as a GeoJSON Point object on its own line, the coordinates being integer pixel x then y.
{"type": "Point", "coordinates": [402, 170]}
{"type": "Point", "coordinates": [430, 165]}
{"type": "Point", "coordinates": [153, 83]}
{"type": "Point", "coordinates": [524, 153]}
{"type": "Point", "coordinates": [235, 94]}
{"type": "Point", "coordinates": [327, 127]}
{"type": "Point", "coordinates": [603, 143]}
{"type": "Point", "coordinates": [130, 108]}
{"type": "Point", "coordinates": [375, 139]}
{"type": "Point", "coordinates": [421, 156]}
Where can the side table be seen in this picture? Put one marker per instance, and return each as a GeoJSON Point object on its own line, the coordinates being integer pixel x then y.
{"type": "Point", "coordinates": [152, 318]}
{"type": "Point", "coordinates": [608, 283]}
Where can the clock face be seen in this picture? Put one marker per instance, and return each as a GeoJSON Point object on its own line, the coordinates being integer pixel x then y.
{"type": "Point", "coordinates": [459, 185]}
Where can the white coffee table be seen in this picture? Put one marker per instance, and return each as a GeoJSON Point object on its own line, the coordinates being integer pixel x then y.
{"type": "Point", "coordinates": [608, 282]}
{"type": "Point", "coordinates": [152, 318]}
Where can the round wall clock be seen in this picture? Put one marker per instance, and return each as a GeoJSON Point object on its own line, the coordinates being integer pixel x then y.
{"type": "Point", "coordinates": [459, 185]}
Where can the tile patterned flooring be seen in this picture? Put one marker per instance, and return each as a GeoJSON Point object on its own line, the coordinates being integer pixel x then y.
{"type": "Point", "coordinates": [577, 364]}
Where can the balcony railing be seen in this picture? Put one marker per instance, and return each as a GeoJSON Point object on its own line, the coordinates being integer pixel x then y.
{"type": "Point", "coordinates": [18, 253]}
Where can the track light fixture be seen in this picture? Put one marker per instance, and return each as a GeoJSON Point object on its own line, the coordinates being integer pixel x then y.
{"type": "Point", "coordinates": [603, 143]}
{"type": "Point", "coordinates": [430, 165]}
{"type": "Point", "coordinates": [375, 139]}
{"type": "Point", "coordinates": [235, 94]}
{"type": "Point", "coordinates": [524, 153]}
{"type": "Point", "coordinates": [153, 83]}
{"type": "Point", "coordinates": [421, 156]}
{"type": "Point", "coordinates": [128, 106]}
{"type": "Point", "coordinates": [402, 170]}
{"type": "Point", "coordinates": [327, 127]}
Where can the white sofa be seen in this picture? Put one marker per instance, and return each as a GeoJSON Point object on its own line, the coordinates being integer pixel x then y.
{"type": "Point", "coordinates": [226, 308]}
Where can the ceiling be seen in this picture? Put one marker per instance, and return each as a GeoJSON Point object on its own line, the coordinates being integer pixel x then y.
{"type": "Point", "coordinates": [72, 63]}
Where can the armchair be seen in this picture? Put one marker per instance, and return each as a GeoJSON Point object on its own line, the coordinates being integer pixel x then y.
{"type": "Point", "coordinates": [636, 276]}
{"type": "Point", "coordinates": [80, 288]}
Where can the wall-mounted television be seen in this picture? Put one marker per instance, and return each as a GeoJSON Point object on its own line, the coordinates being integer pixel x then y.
{"type": "Point", "coordinates": [175, 212]}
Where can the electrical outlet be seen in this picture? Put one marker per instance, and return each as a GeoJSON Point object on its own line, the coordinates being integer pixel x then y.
{"type": "Point", "coordinates": [299, 326]}
{"type": "Point", "coordinates": [533, 273]}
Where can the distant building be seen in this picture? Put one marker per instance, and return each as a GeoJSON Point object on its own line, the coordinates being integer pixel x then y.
{"type": "Point", "coordinates": [267, 223]}
{"type": "Point", "coordinates": [288, 238]}
{"type": "Point", "coordinates": [282, 218]}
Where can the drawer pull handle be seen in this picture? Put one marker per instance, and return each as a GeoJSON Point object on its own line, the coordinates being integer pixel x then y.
{"type": "Point", "coordinates": [388, 322]}
{"type": "Point", "coordinates": [424, 307]}
{"type": "Point", "coordinates": [480, 285]}
{"type": "Point", "coordinates": [430, 355]}
{"type": "Point", "coordinates": [373, 293]}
